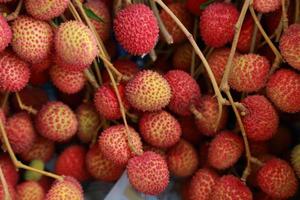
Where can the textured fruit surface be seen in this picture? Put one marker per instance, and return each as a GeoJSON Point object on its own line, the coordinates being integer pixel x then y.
{"type": "Point", "coordinates": [183, 15]}
{"type": "Point", "coordinates": [71, 162]}
{"type": "Point", "coordinates": [249, 73]}
{"type": "Point", "coordinates": [202, 184]}
{"type": "Point", "coordinates": [290, 45]}
{"type": "Point", "coordinates": [283, 88]}
{"type": "Point", "coordinates": [230, 188]}
{"type": "Point", "coordinates": [225, 150]}
{"type": "Point", "coordinates": [185, 91]}
{"type": "Point", "coordinates": [30, 190]}
{"type": "Point", "coordinates": [182, 58]}
{"type": "Point", "coordinates": [44, 9]}
{"type": "Point", "coordinates": [182, 159]}
{"type": "Point", "coordinates": [10, 173]}
{"type": "Point", "coordinates": [261, 120]}
{"type": "Point", "coordinates": [217, 24]}
{"type": "Point", "coordinates": [88, 122]}
{"type": "Point", "coordinates": [210, 110]}
{"type": "Point", "coordinates": [32, 39]}
{"type": "Point", "coordinates": [100, 167]}
{"type": "Point", "coordinates": [265, 6]}
{"type": "Point", "coordinates": [277, 179]}
{"type": "Point", "coordinates": [75, 45]}
{"type": "Point", "coordinates": [11, 191]}
{"type": "Point", "coordinates": [114, 145]}
{"type": "Point", "coordinates": [160, 129]}
{"type": "Point", "coordinates": [136, 29]}
{"type": "Point", "coordinates": [148, 91]}
{"type": "Point", "coordinates": [5, 33]}
{"type": "Point", "coordinates": [32, 175]}
{"type": "Point", "coordinates": [14, 73]}
{"type": "Point", "coordinates": [56, 121]}
{"type": "Point", "coordinates": [20, 132]}
{"type": "Point", "coordinates": [295, 159]}
{"type": "Point", "coordinates": [65, 189]}
{"type": "Point", "coordinates": [148, 173]}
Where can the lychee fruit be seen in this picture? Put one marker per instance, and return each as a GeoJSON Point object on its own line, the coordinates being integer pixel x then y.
{"type": "Point", "coordinates": [160, 129]}
{"type": "Point", "coordinates": [75, 45]}
{"type": "Point", "coordinates": [194, 6]}
{"type": "Point", "coordinates": [69, 82]}
{"type": "Point", "coordinates": [261, 119]}
{"type": "Point", "coordinates": [20, 132]}
{"type": "Point", "coordinates": [265, 6]}
{"type": "Point", "coordinates": [225, 150]}
{"type": "Point", "coordinates": [283, 88]}
{"type": "Point", "coordinates": [5, 33]}
{"type": "Point", "coordinates": [182, 159]}
{"type": "Point", "coordinates": [101, 168]}
{"type": "Point", "coordinates": [30, 190]}
{"type": "Point", "coordinates": [11, 192]}
{"type": "Point", "coordinates": [183, 15]}
{"type": "Point", "coordinates": [185, 92]}
{"type": "Point", "coordinates": [148, 91]}
{"type": "Point", "coordinates": [71, 162]}
{"type": "Point", "coordinates": [182, 58]}
{"type": "Point", "coordinates": [56, 121]}
{"type": "Point", "coordinates": [202, 184]}
{"type": "Point", "coordinates": [295, 159]}
{"type": "Point", "coordinates": [46, 10]}
{"type": "Point", "coordinates": [88, 122]}
{"type": "Point", "coordinates": [277, 179]}
{"type": "Point", "coordinates": [229, 187]}
{"type": "Point", "coordinates": [290, 45]}
{"type": "Point", "coordinates": [32, 39]}
{"type": "Point", "coordinates": [148, 173]}
{"type": "Point", "coordinates": [9, 170]}
{"type": "Point", "coordinates": [249, 73]}
{"type": "Point", "coordinates": [68, 188]}
{"type": "Point", "coordinates": [117, 146]}
{"type": "Point", "coordinates": [14, 73]}
{"type": "Point", "coordinates": [217, 24]}
{"type": "Point", "coordinates": [136, 29]}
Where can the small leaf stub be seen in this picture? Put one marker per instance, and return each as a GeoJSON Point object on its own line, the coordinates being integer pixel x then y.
{"type": "Point", "coordinates": [92, 15]}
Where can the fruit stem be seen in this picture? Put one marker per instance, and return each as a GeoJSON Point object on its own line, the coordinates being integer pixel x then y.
{"type": "Point", "coordinates": [195, 112]}
{"type": "Point", "coordinates": [199, 70]}
{"type": "Point", "coordinates": [97, 69]}
{"type": "Point", "coordinates": [297, 11]}
{"type": "Point", "coordinates": [193, 63]}
{"type": "Point", "coordinates": [15, 14]}
{"type": "Point", "coordinates": [29, 109]}
{"type": "Point", "coordinates": [153, 55]}
{"type": "Point", "coordinates": [165, 33]}
{"type": "Point", "coordinates": [4, 185]}
{"type": "Point", "coordinates": [4, 102]}
{"type": "Point", "coordinates": [256, 161]}
{"type": "Point", "coordinates": [91, 78]}
{"type": "Point", "coordinates": [254, 35]}
{"type": "Point", "coordinates": [284, 18]}
{"type": "Point", "coordinates": [201, 56]}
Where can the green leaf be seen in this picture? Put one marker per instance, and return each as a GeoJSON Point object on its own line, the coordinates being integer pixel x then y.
{"type": "Point", "coordinates": [92, 15]}
{"type": "Point", "coordinates": [205, 4]}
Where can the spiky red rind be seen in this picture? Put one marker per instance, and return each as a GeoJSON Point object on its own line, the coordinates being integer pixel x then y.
{"type": "Point", "coordinates": [5, 33]}
{"type": "Point", "coordinates": [265, 6]}
{"type": "Point", "coordinates": [30, 190]}
{"type": "Point", "coordinates": [10, 173]}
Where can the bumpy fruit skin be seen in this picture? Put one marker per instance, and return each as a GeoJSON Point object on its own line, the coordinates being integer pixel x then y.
{"type": "Point", "coordinates": [148, 173]}
{"type": "Point", "coordinates": [249, 73]}
{"type": "Point", "coordinates": [182, 58]}
{"type": "Point", "coordinates": [290, 45]}
{"type": "Point", "coordinates": [277, 179]}
{"type": "Point", "coordinates": [30, 190]}
{"type": "Point", "coordinates": [11, 191]}
{"type": "Point", "coordinates": [148, 91]}
{"type": "Point", "coordinates": [225, 150]}
{"type": "Point", "coordinates": [182, 159]}
{"type": "Point", "coordinates": [71, 162]}
{"type": "Point", "coordinates": [88, 121]}
{"type": "Point", "coordinates": [295, 159]}
{"type": "Point", "coordinates": [56, 121]}
{"type": "Point", "coordinates": [183, 15]}
{"type": "Point", "coordinates": [32, 39]}
{"type": "Point", "coordinates": [101, 168]}
{"type": "Point", "coordinates": [194, 6]}
{"type": "Point", "coordinates": [69, 82]}
{"type": "Point", "coordinates": [261, 120]}
{"type": "Point", "coordinates": [5, 33]}
{"type": "Point", "coordinates": [114, 145]}
{"type": "Point", "coordinates": [10, 173]}
{"type": "Point", "coordinates": [136, 29]}
{"type": "Point", "coordinates": [283, 88]}
{"type": "Point", "coordinates": [106, 101]}
{"type": "Point", "coordinates": [230, 187]}
{"type": "Point", "coordinates": [66, 189]}
{"type": "Point", "coordinates": [210, 110]}
{"type": "Point", "coordinates": [20, 132]}
{"type": "Point", "coordinates": [101, 10]}
{"type": "Point", "coordinates": [265, 6]}
{"type": "Point", "coordinates": [185, 92]}
{"type": "Point", "coordinates": [75, 45]}
{"type": "Point", "coordinates": [217, 24]}
{"type": "Point", "coordinates": [202, 184]}
{"type": "Point", "coordinates": [41, 149]}
{"type": "Point", "coordinates": [44, 9]}
{"type": "Point", "coordinates": [14, 73]}
{"type": "Point", "coordinates": [160, 129]}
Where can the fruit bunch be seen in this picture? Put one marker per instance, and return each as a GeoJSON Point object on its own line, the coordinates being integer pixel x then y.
{"type": "Point", "coordinates": [206, 91]}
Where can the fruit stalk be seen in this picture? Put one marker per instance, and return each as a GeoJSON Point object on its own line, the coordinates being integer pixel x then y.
{"type": "Point", "coordinates": [297, 11]}
{"type": "Point", "coordinates": [15, 14]}
{"type": "Point", "coordinates": [4, 185]}
{"type": "Point", "coordinates": [285, 20]}
{"type": "Point", "coordinates": [6, 95]}
{"type": "Point", "coordinates": [254, 36]}
{"type": "Point", "coordinates": [193, 52]}
{"type": "Point", "coordinates": [29, 109]}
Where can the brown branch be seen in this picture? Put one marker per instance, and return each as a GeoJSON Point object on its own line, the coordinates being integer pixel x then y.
{"type": "Point", "coordinates": [195, 112]}
{"type": "Point", "coordinates": [153, 55]}
{"type": "Point", "coordinates": [4, 186]}
{"type": "Point", "coordinates": [254, 35]}
{"type": "Point", "coordinates": [29, 109]}
{"type": "Point", "coordinates": [4, 101]}
{"type": "Point", "coordinates": [297, 11]}
{"type": "Point", "coordinates": [97, 69]}
{"type": "Point", "coordinates": [193, 52]}
{"type": "Point", "coordinates": [91, 78]}
{"type": "Point", "coordinates": [285, 20]}
{"type": "Point", "coordinates": [15, 14]}
{"type": "Point", "coordinates": [256, 161]}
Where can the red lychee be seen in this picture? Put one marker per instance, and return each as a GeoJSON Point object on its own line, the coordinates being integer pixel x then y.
{"type": "Point", "coordinates": [5, 33]}
{"type": "Point", "coordinates": [30, 190]}
{"type": "Point", "coordinates": [9, 170]}
{"type": "Point", "coordinates": [265, 6]}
